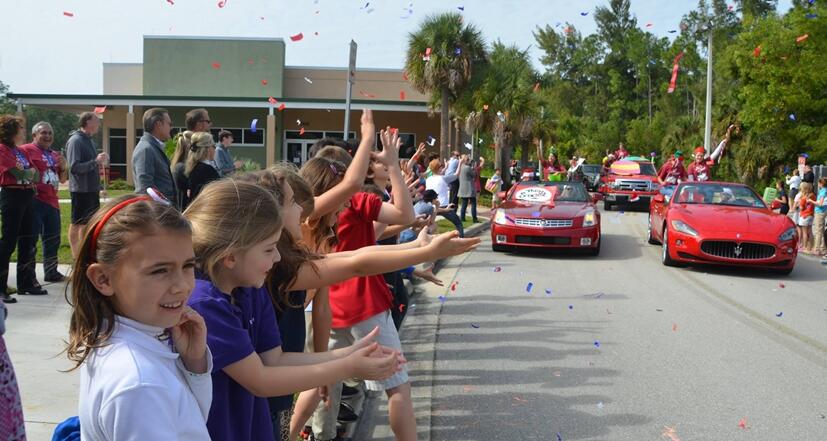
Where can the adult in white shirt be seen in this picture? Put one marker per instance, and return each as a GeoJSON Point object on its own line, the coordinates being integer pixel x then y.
{"type": "Point", "coordinates": [149, 396]}
{"type": "Point", "coordinates": [441, 184]}
{"type": "Point", "coordinates": [794, 182]}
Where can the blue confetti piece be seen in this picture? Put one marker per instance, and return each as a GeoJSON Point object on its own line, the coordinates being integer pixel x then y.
{"type": "Point", "coordinates": [475, 326]}
{"type": "Point", "coordinates": [548, 291]}
{"type": "Point", "coordinates": [253, 125]}
{"type": "Point", "coordinates": [535, 214]}
{"type": "Point", "coordinates": [442, 299]}
{"type": "Point", "coordinates": [461, 8]}
{"type": "Point", "coordinates": [792, 117]}
{"type": "Point", "coordinates": [529, 287]}
{"type": "Point", "coordinates": [779, 314]}
{"type": "Point", "coordinates": [571, 306]}
{"type": "Point", "coordinates": [457, 51]}
{"type": "Point", "coordinates": [673, 31]}
{"type": "Point", "coordinates": [559, 438]}
{"type": "Point", "coordinates": [584, 13]}
{"type": "Point", "coordinates": [596, 344]}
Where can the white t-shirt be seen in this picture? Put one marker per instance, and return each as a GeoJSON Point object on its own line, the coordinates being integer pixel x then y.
{"type": "Point", "coordinates": [437, 183]}
{"type": "Point", "coordinates": [137, 388]}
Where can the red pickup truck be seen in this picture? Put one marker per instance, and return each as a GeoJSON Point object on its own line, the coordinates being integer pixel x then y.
{"type": "Point", "coordinates": [620, 186]}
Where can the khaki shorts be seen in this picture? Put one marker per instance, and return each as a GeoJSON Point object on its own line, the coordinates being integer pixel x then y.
{"type": "Point", "coordinates": [388, 336]}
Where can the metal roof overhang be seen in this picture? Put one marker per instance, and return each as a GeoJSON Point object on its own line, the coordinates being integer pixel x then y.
{"type": "Point", "coordinates": [233, 102]}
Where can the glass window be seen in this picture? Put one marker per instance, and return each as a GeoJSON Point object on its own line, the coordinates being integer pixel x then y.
{"type": "Point", "coordinates": [254, 138]}
{"type": "Point", "coordinates": [117, 150]}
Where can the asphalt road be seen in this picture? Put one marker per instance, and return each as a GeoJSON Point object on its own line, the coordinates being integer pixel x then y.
{"type": "Point", "coordinates": [684, 353]}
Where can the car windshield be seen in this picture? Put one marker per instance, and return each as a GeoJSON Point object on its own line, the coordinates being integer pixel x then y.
{"type": "Point", "coordinates": [551, 192]}
{"type": "Point", "coordinates": [719, 194]}
{"type": "Point", "coordinates": [647, 168]}
{"type": "Point", "coordinates": [589, 168]}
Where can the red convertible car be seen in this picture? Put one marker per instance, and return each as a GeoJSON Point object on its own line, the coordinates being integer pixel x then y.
{"type": "Point", "coordinates": [547, 215]}
{"type": "Point", "coordinates": [720, 223]}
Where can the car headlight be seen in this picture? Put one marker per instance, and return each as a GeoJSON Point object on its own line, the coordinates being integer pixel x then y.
{"type": "Point", "coordinates": [788, 235]}
{"type": "Point", "coordinates": [499, 217]}
{"type": "Point", "coordinates": [655, 186]}
{"type": "Point", "coordinates": [589, 219]}
{"type": "Point", "coordinates": [681, 226]}
{"type": "Point", "coordinates": [614, 185]}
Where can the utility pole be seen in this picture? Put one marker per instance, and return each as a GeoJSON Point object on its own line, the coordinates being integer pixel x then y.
{"type": "Point", "coordinates": [351, 75]}
{"type": "Point", "coordinates": [708, 125]}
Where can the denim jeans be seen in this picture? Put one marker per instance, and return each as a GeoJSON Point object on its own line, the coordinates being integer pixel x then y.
{"type": "Point", "coordinates": [454, 219]}
{"type": "Point", "coordinates": [464, 207]}
{"type": "Point", "coordinates": [47, 228]}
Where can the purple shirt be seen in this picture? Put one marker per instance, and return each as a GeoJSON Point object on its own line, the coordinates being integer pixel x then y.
{"type": "Point", "coordinates": [236, 328]}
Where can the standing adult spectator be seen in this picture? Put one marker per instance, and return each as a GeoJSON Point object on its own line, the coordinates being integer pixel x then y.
{"type": "Point", "coordinates": [179, 158]}
{"type": "Point", "coordinates": [808, 176]}
{"type": "Point", "coordinates": [440, 184]}
{"type": "Point", "coordinates": [452, 168]}
{"type": "Point", "coordinates": [467, 189]}
{"type": "Point", "coordinates": [198, 168]}
{"type": "Point", "coordinates": [84, 177]}
{"type": "Point", "coordinates": [223, 160]}
{"type": "Point", "coordinates": [198, 120]}
{"type": "Point", "coordinates": [794, 182]}
{"type": "Point", "coordinates": [149, 161]}
{"type": "Point", "coordinates": [46, 208]}
{"type": "Point", "coordinates": [819, 215]}
{"type": "Point", "coordinates": [18, 177]}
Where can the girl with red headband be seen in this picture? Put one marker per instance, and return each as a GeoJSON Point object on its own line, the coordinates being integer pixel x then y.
{"type": "Point", "coordinates": [145, 365]}
{"type": "Point", "coordinates": [701, 167]}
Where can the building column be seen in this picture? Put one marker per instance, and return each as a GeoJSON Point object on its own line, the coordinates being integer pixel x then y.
{"type": "Point", "coordinates": [270, 141]}
{"type": "Point", "coordinates": [130, 144]}
{"type": "Point", "coordinates": [22, 114]}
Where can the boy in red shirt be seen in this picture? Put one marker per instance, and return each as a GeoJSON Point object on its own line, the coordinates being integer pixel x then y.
{"type": "Point", "coordinates": [360, 304]}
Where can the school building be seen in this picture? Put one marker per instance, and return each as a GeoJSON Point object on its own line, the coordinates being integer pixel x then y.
{"type": "Point", "coordinates": [234, 79]}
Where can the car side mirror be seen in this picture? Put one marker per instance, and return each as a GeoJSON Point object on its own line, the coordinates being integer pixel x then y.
{"type": "Point", "coordinates": [659, 199]}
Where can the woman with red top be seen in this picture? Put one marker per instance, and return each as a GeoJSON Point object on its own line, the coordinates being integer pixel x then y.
{"type": "Point", "coordinates": [17, 179]}
{"type": "Point", "coordinates": [45, 208]}
{"type": "Point", "coordinates": [806, 207]}
{"type": "Point", "coordinates": [552, 166]}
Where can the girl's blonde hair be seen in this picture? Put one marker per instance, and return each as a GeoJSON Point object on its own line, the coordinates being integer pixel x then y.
{"type": "Point", "coordinates": [200, 144]}
{"type": "Point", "coordinates": [806, 188]}
{"type": "Point", "coordinates": [230, 216]}
{"type": "Point", "coordinates": [322, 174]}
{"type": "Point", "coordinates": [182, 146]}
{"type": "Point", "coordinates": [293, 254]}
{"type": "Point", "coordinates": [93, 314]}
{"type": "Point", "coordinates": [302, 192]}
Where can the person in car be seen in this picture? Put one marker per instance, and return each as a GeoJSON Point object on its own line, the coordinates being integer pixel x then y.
{"type": "Point", "coordinates": [672, 172]}
{"type": "Point", "coordinates": [701, 167]}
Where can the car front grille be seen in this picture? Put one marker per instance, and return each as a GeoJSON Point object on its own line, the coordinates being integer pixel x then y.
{"type": "Point", "coordinates": [630, 185]}
{"type": "Point", "coordinates": [544, 223]}
{"type": "Point", "coordinates": [543, 240]}
{"type": "Point", "coordinates": [735, 250]}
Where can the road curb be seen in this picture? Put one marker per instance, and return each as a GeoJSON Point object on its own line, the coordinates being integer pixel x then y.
{"type": "Point", "coordinates": [418, 334]}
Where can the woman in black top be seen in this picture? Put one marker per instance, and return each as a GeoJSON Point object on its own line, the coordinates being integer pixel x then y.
{"type": "Point", "coordinates": [198, 169]}
{"type": "Point", "coordinates": [179, 157]}
{"type": "Point", "coordinates": [782, 199]}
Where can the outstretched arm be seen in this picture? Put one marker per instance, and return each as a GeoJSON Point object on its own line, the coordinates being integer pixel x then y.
{"type": "Point", "coordinates": [400, 211]}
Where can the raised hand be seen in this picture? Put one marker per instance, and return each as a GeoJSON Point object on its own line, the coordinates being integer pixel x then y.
{"type": "Point", "coordinates": [190, 339]}
{"type": "Point", "coordinates": [390, 147]}
{"type": "Point", "coordinates": [368, 128]}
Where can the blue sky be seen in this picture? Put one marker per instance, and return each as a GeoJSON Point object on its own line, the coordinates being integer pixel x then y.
{"type": "Point", "coordinates": [55, 53]}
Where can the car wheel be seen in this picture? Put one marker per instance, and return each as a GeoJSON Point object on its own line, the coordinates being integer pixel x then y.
{"type": "Point", "coordinates": [665, 258]}
{"type": "Point", "coordinates": [649, 237]}
{"type": "Point", "coordinates": [607, 206]}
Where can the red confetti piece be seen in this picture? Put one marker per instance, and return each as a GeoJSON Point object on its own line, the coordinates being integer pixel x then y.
{"type": "Point", "coordinates": [301, 132]}
{"type": "Point", "coordinates": [743, 423]}
{"type": "Point", "coordinates": [282, 107]}
{"type": "Point", "coordinates": [297, 37]}
{"type": "Point", "coordinates": [366, 94]}
{"type": "Point", "coordinates": [402, 95]}
{"type": "Point", "coordinates": [272, 100]}
{"type": "Point", "coordinates": [263, 82]}
{"type": "Point", "coordinates": [729, 8]}
{"type": "Point", "coordinates": [756, 52]}
{"type": "Point", "coordinates": [671, 433]}
{"type": "Point", "coordinates": [401, 307]}
{"type": "Point", "coordinates": [216, 65]}
{"type": "Point", "coordinates": [427, 52]}
{"type": "Point", "coordinates": [100, 109]}
{"type": "Point", "coordinates": [674, 327]}
{"type": "Point", "coordinates": [520, 400]}
{"type": "Point", "coordinates": [802, 38]}
{"type": "Point", "coordinates": [454, 286]}
{"type": "Point", "coordinates": [781, 285]}
{"type": "Point", "coordinates": [249, 61]}
{"type": "Point", "coordinates": [68, 14]}
{"type": "Point", "coordinates": [405, 75]}
{"type": "Point", "coordinates": [649, 25]}
{"type": "Point", "coordinates": [171, 2]}
{"type": "Point", "coordinates": [222, 3]}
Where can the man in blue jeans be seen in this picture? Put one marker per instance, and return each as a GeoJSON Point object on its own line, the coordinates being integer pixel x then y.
{"type": "Point", "coordinates": [46, 208]}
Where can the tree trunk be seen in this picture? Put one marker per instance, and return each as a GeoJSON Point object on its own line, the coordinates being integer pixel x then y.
{"type": "Point", "coordinates": [457, 140]}
{"type": "Point", "coordinates": [445, 121]}
{"type": "Point", "coordinates": [524, 150]}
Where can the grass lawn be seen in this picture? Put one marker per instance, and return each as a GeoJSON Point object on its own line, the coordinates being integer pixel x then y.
{"type": "Point", "coordinates": [64, 194]}
{"type": "Point", "coordinates": [445, 225]}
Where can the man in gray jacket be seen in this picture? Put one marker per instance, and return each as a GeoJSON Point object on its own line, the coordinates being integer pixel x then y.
{"type": "Point", "coordinates": [149, 161]}
{"type": "Point", "coordinates": [84, 176]}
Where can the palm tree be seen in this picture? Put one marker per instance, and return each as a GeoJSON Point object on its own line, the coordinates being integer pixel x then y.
{"type": "Point", "coordinates": [507, 101]}
{"type": "Point", "coordinates": [440, 60]}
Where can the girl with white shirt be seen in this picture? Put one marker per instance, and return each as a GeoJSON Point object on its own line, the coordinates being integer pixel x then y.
{"type": "Point", "coordinates": [145, 365]}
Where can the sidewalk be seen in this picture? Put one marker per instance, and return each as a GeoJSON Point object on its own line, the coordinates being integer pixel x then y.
{"type": "Point", "coordinates": [36, 329]}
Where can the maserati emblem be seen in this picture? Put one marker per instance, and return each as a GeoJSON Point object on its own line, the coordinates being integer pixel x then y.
{"type": "Point", "coordinates": [737, 250]}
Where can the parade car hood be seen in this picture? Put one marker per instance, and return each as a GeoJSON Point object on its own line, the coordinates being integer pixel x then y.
{"type": "Point", "coordinates": [716, 219]}
{"type": "Point", "coordinates": [556, 210]}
